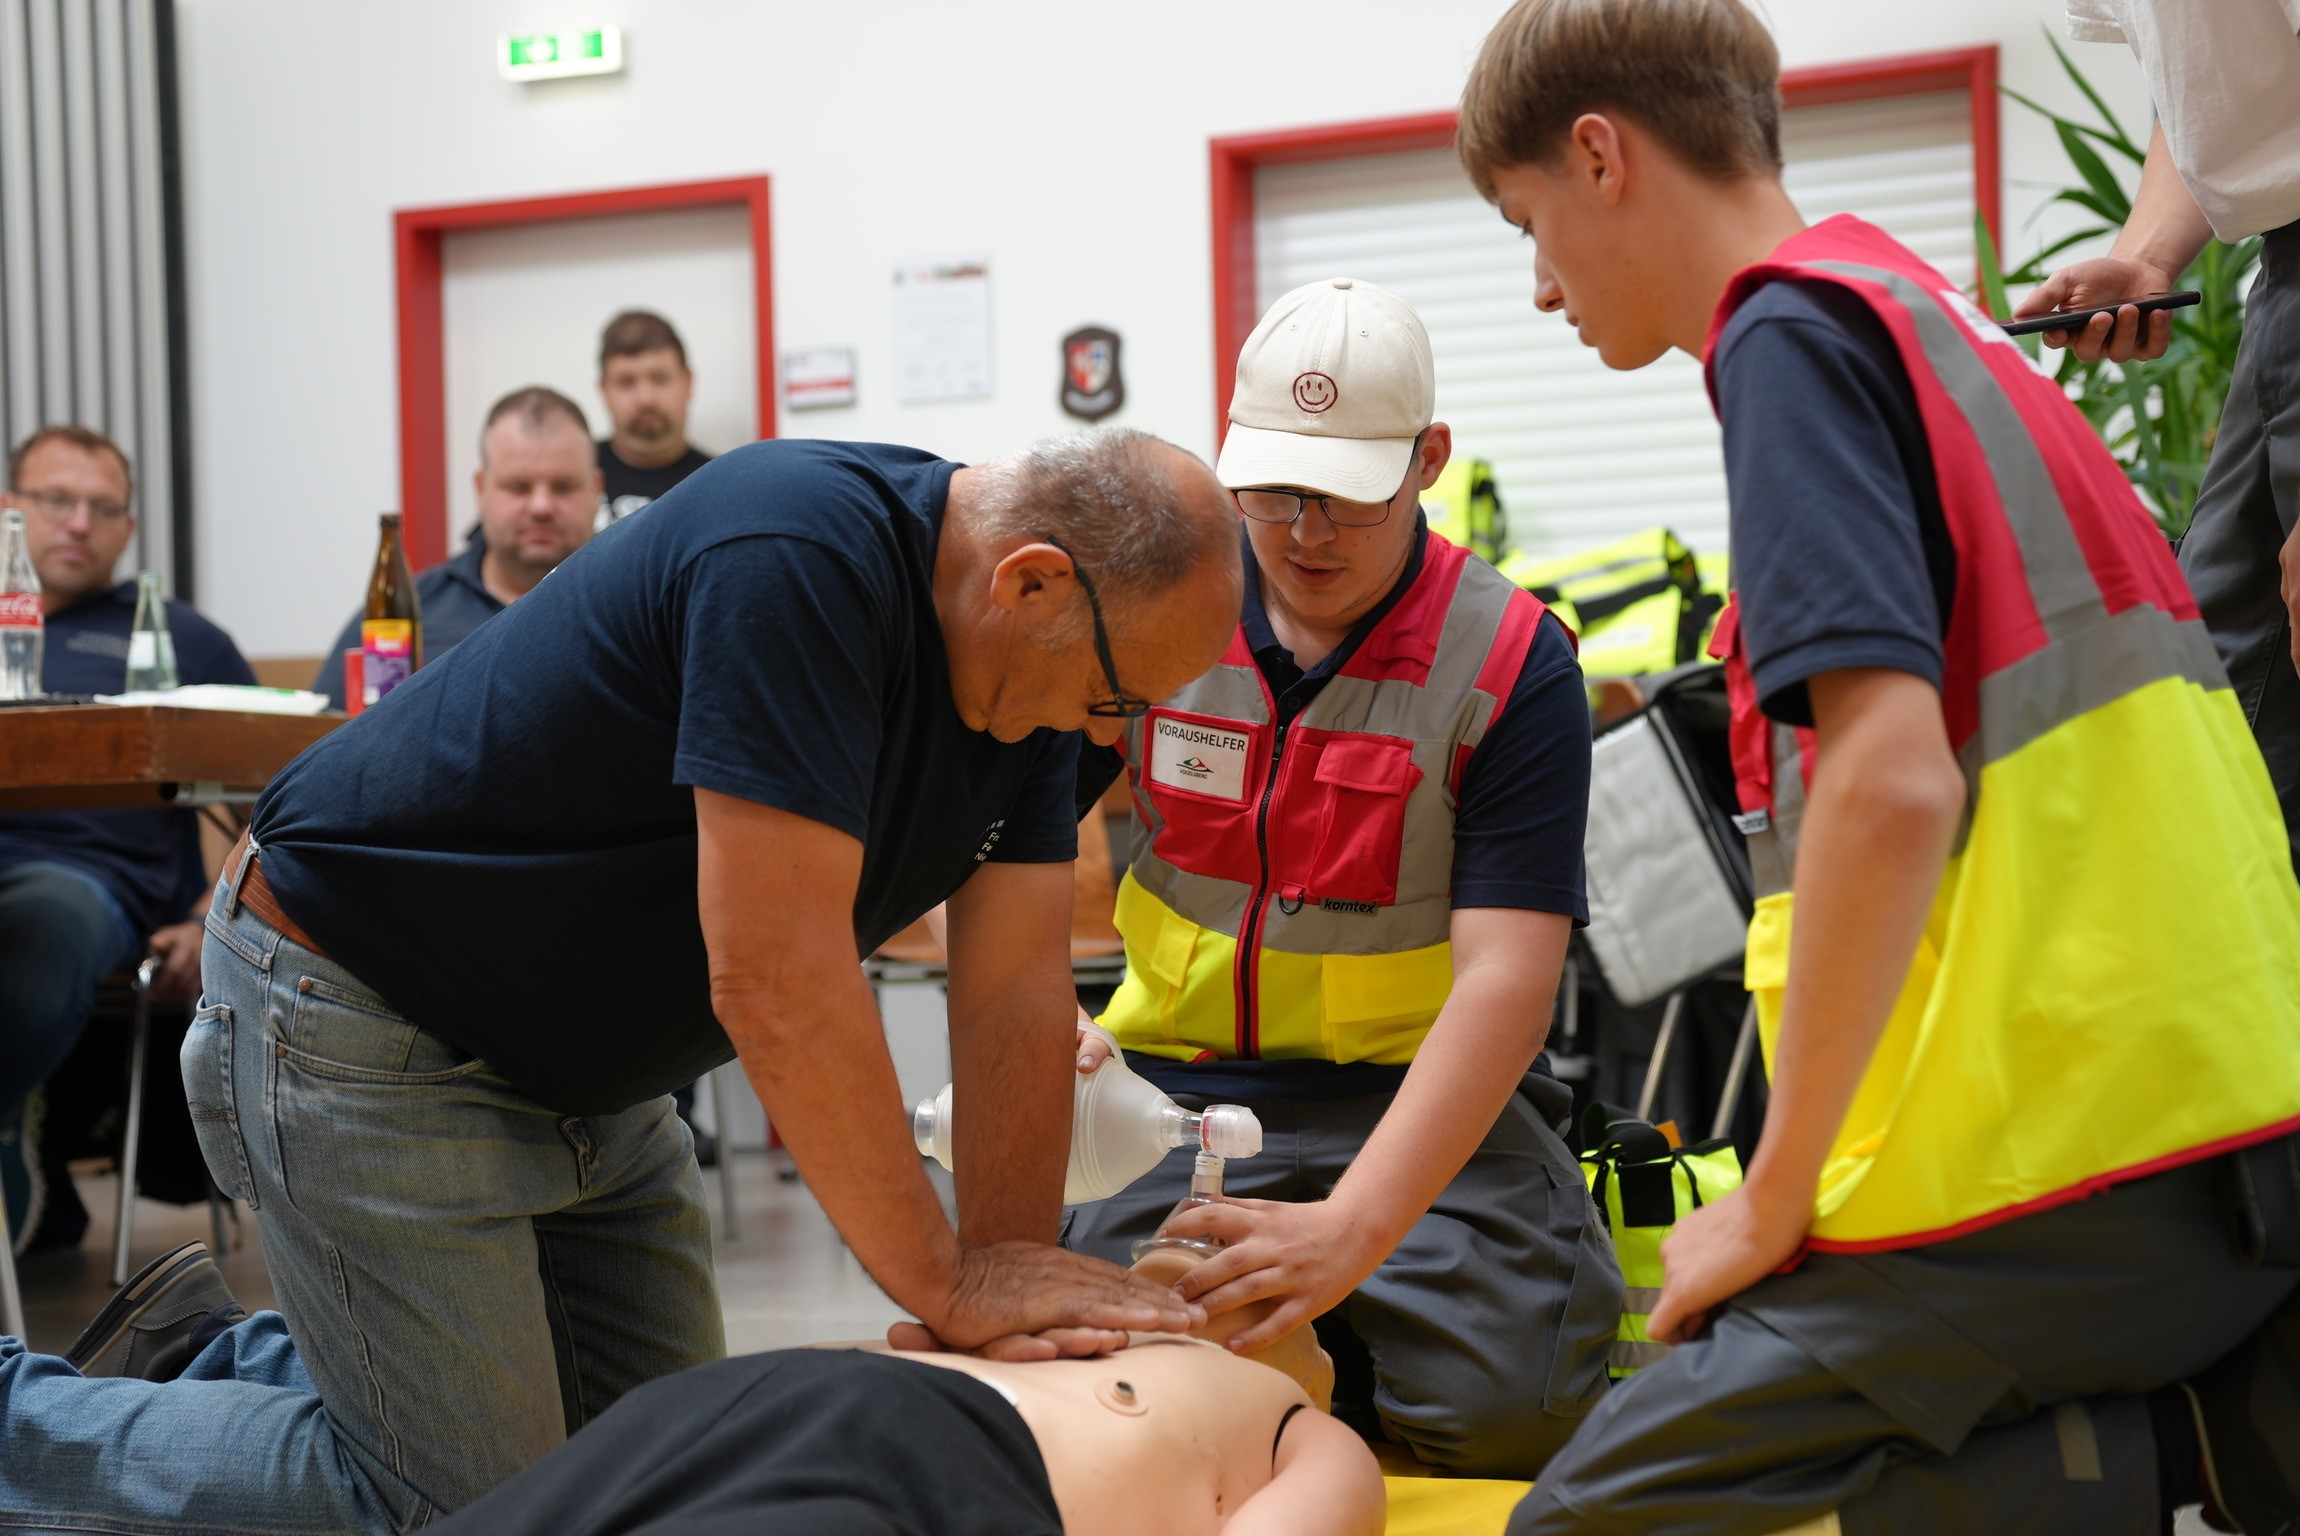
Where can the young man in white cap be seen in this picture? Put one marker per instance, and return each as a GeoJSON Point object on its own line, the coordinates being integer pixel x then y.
{"type": "Point", "coordinates": [1356, 868]}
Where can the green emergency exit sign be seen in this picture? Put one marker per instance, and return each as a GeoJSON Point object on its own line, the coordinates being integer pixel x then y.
{"type": "Point", "coordinates": [554, 55]}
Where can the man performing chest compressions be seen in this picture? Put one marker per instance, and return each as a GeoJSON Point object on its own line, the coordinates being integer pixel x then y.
{"type": "Point", "coordinates": [2016, 1249]}
{"type": "Point", "coordinates": [646, 819]}
{"type": "Point", "coordinates": [1357, 866]}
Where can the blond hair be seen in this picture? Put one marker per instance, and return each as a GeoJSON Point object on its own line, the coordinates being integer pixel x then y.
{"type": "Point", "coordinates": [1702, 76]}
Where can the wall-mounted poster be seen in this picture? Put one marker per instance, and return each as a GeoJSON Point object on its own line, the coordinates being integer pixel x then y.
{"type": "Point", "coordinates": [942, 328]}
{"type": "Point", "coordinates": [1092, 386]}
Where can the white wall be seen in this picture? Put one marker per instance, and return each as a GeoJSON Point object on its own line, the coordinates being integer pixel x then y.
{"type": "Point", "coordinates": [1068, 140]}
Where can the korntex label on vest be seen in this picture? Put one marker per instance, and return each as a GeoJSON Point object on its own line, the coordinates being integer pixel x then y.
{"type": "Point", "coordinates": [1203, 759]}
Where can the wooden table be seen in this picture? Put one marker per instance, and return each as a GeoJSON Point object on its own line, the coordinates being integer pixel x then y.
{"type": "Point", "coordinates": [87, 756]}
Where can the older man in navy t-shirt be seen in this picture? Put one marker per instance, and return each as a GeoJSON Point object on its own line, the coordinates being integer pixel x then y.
{"type": "Point", "coordinates": [650, 817]}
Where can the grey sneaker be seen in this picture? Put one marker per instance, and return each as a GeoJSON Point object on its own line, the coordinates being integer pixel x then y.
{"type": "Point", "coordinates": [2247, 1411]}
{"type": "Point", "coordinates": [173, 1308]}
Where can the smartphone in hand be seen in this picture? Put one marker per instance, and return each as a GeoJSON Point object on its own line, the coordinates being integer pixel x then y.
{"type": "Point", "coordinates": [2076, 319]}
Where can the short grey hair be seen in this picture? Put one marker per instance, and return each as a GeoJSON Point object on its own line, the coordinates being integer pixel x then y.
{"type": "Point", "coordinates": [1110, 498]}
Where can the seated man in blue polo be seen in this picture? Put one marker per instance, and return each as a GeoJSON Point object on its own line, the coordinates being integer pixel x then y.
{"type": "Point", "coordinates": [538, 494]}
{"type": "Point", "coordinates": [1356, 866]}
{"type": "Point", "coordinates": [84, 893]}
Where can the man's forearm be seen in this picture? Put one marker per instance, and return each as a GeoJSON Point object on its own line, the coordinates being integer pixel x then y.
{"type": "Point", "coordinates": [1875, 840]}
{"type": "Point", "coordinates": [2165, 229]}
{"type": "Point", "coordinates": [1013, 1028]}
{"type": "Point", "coordinates": [817, 1056]}
{"type": "Point", "coordinates": [1463, 1074]}
{"type": "Point", "coordinates": [1013, 1062]}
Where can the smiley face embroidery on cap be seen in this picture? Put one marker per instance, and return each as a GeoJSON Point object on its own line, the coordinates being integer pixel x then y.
{"type": "Point", "coordinates": [1315, 392]}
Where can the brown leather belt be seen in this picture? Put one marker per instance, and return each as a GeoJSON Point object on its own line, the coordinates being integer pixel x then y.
{"type": "Point", "coordinates": [256, 895]}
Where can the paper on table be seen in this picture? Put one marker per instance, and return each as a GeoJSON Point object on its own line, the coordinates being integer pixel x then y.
{"type": "Point", "coordinates": [262, 701]}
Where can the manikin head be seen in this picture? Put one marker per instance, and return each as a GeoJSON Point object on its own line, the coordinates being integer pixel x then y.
{"type": "Point", "coordinates": [72, 485]}
{"type": "Point", "coordinates": [1097, 572]}
{"type": "Point", "coordinates": [537, 485]}
{"type": "Point", "coordinates": [1637, 143]}
{"type": "Point", "coordinates": [1330, 442]}
{"type": "Point", "coordinates": [1298, 1354]}
{"type": "Point", "coordinates": [644, 378]}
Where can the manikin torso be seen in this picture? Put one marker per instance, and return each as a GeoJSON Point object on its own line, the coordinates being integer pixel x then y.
{"type": "Point", "coordinates": [1166, 1438]}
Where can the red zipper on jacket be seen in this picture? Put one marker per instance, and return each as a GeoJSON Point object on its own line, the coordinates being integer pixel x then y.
{"type": "Point", "coordinates": [1249, 962]}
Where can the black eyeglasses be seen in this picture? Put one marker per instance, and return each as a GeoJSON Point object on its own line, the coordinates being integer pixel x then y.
{"type": "Point", "coordinates": [1274, 506]}
{"type": "Point", "coordinates": [1117, 706]}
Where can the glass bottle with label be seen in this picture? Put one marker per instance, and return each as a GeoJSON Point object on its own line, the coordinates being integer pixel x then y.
{"type": "Point", "coordinates": [23, 619]}
{"type": "Point", "coordinates": [391, 632]}
{"type": "Point", "coordinates": [151, 649]}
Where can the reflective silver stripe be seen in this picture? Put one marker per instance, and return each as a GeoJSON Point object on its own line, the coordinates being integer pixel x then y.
{"type": "Point", "coordinates": [2088, 669]}
{"type": "Point", "coordinates": [2091, 658]}
{"type": "Point", "coordinates": [2059, 580]}
{"type": "Point", "coordinates": [1636, 1354]}
{"type": "Point", "coordinates": [1773, 848]}
{"type": "Point", "coordinates": [2079, 1443]}
{"type": "Point", "coordinates": [1640, 1300]}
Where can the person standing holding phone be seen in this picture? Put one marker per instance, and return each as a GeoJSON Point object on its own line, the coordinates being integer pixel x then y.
{"type": "Point", "coordinates": [2224, 160]}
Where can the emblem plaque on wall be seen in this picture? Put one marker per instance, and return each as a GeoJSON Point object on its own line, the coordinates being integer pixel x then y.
{"type": "Point", "coordinates": [1092, 386]}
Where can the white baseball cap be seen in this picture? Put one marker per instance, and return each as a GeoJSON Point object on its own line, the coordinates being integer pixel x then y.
{"type": "Point", "coordinates": [1333, 387]}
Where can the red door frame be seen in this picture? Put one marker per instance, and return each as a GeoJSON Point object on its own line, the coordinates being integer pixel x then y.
{"type": "Point", "coordinates": [418, 234]}
{"type": "Point", "coordinates": [1233, 162]}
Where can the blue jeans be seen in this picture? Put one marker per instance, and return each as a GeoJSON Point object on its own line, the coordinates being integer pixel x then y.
{"type": "Point", "coordinates": [61, 932]}
{"type": "Point", "coordinates": [468, 1278]}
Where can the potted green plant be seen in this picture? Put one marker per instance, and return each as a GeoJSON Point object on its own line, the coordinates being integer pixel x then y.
{"type": "Point", "coordinates": [2158, 417]}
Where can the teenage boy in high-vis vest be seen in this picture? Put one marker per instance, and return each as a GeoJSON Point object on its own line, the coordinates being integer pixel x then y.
{"type": "Point", "coordinates": [1357, 864]}
{"type": "Point", "coordinates": [2044, 993]}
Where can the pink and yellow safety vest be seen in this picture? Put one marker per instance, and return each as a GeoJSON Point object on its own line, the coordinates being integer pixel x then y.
{"type": "Point", "coordinates": [2109, 981]}
{"type": "Point", "coordinates": [1288, 893]}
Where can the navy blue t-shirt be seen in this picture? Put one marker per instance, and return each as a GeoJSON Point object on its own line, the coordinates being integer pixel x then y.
{"type": "Point", "coordinates": [148, 859]}
{"type": "Point", "coordinates": [1841, 557]}
{"type": "Point", "coordinates": [505, 847]}
{"type": "Point", "coordinates": [1518, 824]}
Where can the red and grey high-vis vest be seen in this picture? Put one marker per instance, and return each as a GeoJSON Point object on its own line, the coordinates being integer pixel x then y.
{"type": "Point", "coordinates": [1289, 892]}
{"type": "Point", "coordinates": [2108, 984]}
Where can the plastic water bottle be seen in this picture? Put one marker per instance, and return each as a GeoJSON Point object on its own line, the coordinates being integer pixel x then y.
{"type": "Point", "coordinates": [23, 622]}
{"type": "Point", "coordinates": [1205, 1189]}
{"type": "Point", "coordinates": [151, 649]}
{"type": "Point", "coordinates": [1120, 1127]}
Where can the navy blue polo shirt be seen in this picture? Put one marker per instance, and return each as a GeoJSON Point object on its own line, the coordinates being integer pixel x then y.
{"type": "Point", "coordinates": [148, 859]}
{"type": "Point", "coordinates": [455, 601]}
{"type": "Point", "coordinates": [505, 846]}
{"type": "Point", "coordinates": [1518, 824]}
{"type": "Point", "coordinates": [1841, 557]}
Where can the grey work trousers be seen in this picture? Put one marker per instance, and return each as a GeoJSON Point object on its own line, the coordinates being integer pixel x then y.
{"type": "Point", "coordinates": [1994, 1382]}
{"type": "Point", "coordinates": [2246, 509]}
{"type": "Point", "coordinates": [1489, 1325]}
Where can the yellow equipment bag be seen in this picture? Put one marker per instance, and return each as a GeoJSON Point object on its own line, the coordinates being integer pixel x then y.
{"type": "Point", "coordinates": [1644, 1186]}
{"type": "Point", "coordinates": [1641, 604]}
{"type": "Point", "coordinates": [1465, 506]}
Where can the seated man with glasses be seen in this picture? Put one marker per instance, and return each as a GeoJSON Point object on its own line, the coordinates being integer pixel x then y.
{"type": "Point", "coordinates": [1357, 864]}
{"type": "Point", "coordinates": [83, 893]}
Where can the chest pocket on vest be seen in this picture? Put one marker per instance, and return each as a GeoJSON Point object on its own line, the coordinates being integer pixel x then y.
{"type": "Point", "coordinates": [1204, 775]}
{"type": "Point", "coordinates": [1342, 821]}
